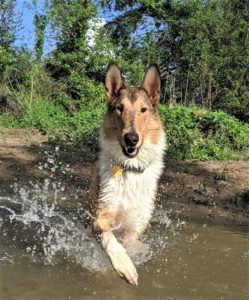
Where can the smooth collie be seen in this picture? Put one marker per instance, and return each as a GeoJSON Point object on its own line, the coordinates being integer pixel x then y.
{"type": "Point", "coordinates": [131, 161]}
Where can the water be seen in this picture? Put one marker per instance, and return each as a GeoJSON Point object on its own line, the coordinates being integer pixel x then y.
{"type": "Point", "coordinates": [47, 253]}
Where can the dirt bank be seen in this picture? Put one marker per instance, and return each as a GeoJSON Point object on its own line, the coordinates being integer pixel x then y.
{"type": "Point", "coordinates": [212, 191]}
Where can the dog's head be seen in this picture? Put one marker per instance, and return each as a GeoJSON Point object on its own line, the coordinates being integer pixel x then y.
{"type": "Point", "coordinates": [132, 112]}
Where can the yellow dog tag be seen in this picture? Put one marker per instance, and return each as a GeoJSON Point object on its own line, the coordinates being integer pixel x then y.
{"type": "Point", "coordinates": [117, 171]}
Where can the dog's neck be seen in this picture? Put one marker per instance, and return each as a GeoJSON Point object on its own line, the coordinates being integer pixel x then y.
{"type": "Point", "coordinates": [129, 168]}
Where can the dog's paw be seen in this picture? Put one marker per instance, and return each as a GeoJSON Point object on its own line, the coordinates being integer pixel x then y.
{"type": "Point", "coordinates": [119, 258]}
{"type": "Point", "coordinates": [125, 267]}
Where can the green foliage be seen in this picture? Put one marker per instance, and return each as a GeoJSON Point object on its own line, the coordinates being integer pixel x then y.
{"type": "Point", "coordinates": [15, 69]}
{"type": "Point", "coordinates": [8, 23]}
{"type": "Point", "coordinates": [45, 116]}
{"type": "Point", "coordinates": [5, 60]}
{"type": "Point", "coordinates": [40, 23]}
{"type": "Point", "coordinates": [201, 46]}
{"type": "Point", "coordinates": [9, 121]}
{"type": "Point", "coordinates": [67, 63]}
{"type": "Point", "coordinates": [81, 127]}
{"type": "Point", "coordinates": [182, 132]}
{"type": "Point", "coordinates": [84, 127]}
{"type": "Point", "coordinates": [213, 135]}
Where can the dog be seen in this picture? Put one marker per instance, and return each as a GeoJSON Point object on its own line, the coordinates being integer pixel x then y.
{"type": "Point", "coordinates": [132, 141]}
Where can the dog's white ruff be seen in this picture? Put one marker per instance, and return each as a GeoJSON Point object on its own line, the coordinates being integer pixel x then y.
{"type": "Point", "coordinates": [130, 196]}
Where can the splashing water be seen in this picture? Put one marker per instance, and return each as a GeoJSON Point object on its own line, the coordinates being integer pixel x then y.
{"type": "Point", "coordinates": [50, 234]}
{"type": "Point", "coordinates": [34, 219]}
{"type": "Point", "coordinates": [54, 232]}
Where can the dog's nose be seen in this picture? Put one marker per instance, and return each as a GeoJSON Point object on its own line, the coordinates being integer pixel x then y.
{"type": "Point", "coordinates": [131, 138]}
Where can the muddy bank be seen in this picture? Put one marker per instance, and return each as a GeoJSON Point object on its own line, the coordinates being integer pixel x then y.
{"type": "Point", "coordinates": [211, 191]}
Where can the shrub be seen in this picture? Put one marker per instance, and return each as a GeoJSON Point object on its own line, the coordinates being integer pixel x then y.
{"type": "Point", "coordinates": [211, 135]}
{"type": "Point", "coordinates": [191, 133]}
{"type": "Point", "coordinates": [79, 127]}
{"type": "Point", "coordinates": [182, 133]}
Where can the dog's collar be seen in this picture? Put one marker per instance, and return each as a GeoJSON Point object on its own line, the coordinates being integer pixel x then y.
{"type": "Point", "coordinates": [133, 169]}
{"type": "Point", "coordinates": [119, 168]}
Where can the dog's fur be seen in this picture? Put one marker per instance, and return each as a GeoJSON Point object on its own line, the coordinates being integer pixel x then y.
{"type": "Point", "coordinates": [128, 174]}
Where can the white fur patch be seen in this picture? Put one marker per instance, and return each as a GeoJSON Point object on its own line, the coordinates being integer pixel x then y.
{"type": "Point", "coordinates": [132, 194]}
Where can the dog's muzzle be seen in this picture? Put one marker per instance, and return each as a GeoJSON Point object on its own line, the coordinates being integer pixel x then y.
{"type": "Point", "coordinates": [130, 149]}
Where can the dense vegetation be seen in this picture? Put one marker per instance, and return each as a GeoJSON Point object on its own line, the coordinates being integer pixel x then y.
{"type": "Point", "coordinates": [202, 48]}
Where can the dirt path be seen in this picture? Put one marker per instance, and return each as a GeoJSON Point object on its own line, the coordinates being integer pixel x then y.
{"type": "Point", "coordinates": [213, 191]}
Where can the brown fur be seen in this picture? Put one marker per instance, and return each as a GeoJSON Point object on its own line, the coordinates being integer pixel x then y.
{"type": "Point", "coordinates": [132, 101]}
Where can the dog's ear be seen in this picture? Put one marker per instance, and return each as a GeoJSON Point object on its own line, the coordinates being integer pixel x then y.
{"type": "Point", "coordinates": [113, 81]}
{"type": "Point", "coordinates": [152, 83]}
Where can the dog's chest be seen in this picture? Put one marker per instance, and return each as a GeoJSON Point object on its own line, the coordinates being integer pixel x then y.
{"type": "Point", "coordinates": [134, 189]}
{"type": "Point", "coordinates": [131, 194]}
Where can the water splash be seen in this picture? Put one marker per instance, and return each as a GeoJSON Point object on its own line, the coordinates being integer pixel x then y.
{"type": "Point", "coordinates": [35, 220]}
{"type": "Point", "coordinates": [50, 233]}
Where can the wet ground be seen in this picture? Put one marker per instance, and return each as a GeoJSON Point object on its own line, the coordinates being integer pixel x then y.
{"type": "Point", "coordinates": [198, 243]}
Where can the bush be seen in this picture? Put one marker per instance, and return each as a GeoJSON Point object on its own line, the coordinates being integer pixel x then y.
{"type": "Point", "coordinates": [182, 133]}
{"type": "Point", "coordinates": [204, 135]}
{"type": "Point", "coordinates": [79, 128]}
{"type": "Point", "coordinates": [235, 105]}
{"type": "Point", "coordinates": [191, 133]}
{"type": "Point", "coordinates": [9, 121]}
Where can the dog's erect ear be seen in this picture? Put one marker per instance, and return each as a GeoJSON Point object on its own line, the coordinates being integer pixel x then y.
{"type": "Point", "coordinates": [152, 83]}
{"type": "Point", "coordinates": [113, 81]}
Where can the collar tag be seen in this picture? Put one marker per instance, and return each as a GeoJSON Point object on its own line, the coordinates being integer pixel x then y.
{"type": "Point", "coordinates": [117, 171]}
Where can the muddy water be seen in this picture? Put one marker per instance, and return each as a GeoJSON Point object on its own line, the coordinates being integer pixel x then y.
{"type": "Point", "coordinates": [47, 253]}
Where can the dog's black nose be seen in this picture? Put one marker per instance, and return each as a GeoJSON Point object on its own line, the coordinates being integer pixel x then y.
{"type": "Point", "coordinates": [131, 138]}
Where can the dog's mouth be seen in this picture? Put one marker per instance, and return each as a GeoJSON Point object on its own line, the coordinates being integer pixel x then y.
{"type": "Point", "coordinates": [130, 151]}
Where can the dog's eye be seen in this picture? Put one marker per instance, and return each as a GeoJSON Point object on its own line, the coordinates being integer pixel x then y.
{"type": "Point", "coordinates": [144, 109]}
{"type": "Point", "coordinates": [120, 108]}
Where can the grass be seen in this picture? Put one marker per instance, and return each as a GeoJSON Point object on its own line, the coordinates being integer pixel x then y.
{"type": "Point", "coordinates": [191, 133]}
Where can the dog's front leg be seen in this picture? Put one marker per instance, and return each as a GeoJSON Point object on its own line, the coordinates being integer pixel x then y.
{"type": "Point", "coordinates": [116, 252]}
{"type": "Point", "coordinates": [119, 258]}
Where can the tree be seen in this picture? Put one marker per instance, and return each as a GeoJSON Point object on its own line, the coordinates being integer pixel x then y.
{"type": "Point", "coordinates": [8, 22]}
{"type": "Point", "coordinates": [8, 31]}
{"type": "Point", "coordinates": [202, 47]}
{"type": "Point", "coordinates": [70, 21]}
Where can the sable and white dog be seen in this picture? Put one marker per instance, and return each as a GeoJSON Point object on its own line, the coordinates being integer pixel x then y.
{"type": "Point", "coordinates": [131, 161]}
